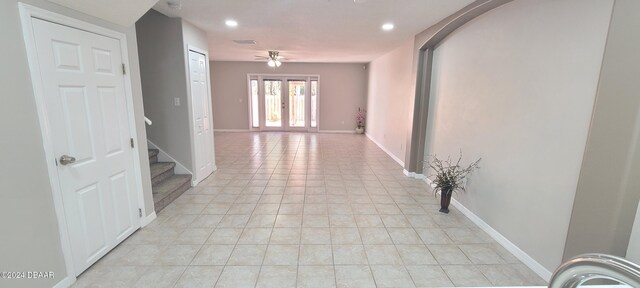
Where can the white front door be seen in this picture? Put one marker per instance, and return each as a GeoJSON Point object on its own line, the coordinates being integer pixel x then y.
{"type": "Point", "coordinates": [200, 103]}
{"type": "Point", "coordinates": [88, 123]}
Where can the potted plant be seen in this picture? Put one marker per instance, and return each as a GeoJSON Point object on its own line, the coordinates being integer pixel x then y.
{"type": "Point", "coordinates": [360, 120]}
{"type": "Point", "coordinates": [448, 178]}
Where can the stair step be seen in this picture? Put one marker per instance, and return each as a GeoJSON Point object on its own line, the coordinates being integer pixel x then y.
{"type": "Point", "coordinates": [153, 155]}
{"type": "Point", "coordinates": [169, 189]}
{"type": "Point", "coordinates": [153, 152]}
{"type": "Point", "coordinates": [161, 171]}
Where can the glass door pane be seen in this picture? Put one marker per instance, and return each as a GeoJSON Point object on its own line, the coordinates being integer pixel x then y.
{"type": "Point", "coordinates": [314, 103]}
{"type": "Point", "coordinates": [255, 112]}
{"type": "Point", "coordinates": [297, 103]}
{"type": "Point", "coordinates": [273, 103]}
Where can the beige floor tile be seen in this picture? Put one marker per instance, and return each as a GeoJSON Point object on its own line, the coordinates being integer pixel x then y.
{"type": "Point", "coordinates": [224, 236]}
{"type": "Point", "coordinates": [247, 255]}
{"type": "Point", "coordinates": [277, 277]}
{"type": "Point", "coordinates": [238, 277]}
{"type": "Point", "coordinates": [316, 277]}
{"type": "Point", "coordinates": [341, 235]}
{"type": "Point", "coordinates": [285, 236]}
{"type": "Point", "coordinates": [160, 277]}
{"type": "Point", "coordinates": [429, 276]}
{"type": "Point", "coordinates": [481, 254]}
{"type": "Point", "coordinates": [465, 275]}
{"type": "Point", "coordinates": [448, 254]}
{"type": "Point", "coordinates": [431, 236]}
{"type": "Point", "coordinates": [199, 277]}
{"type": "Point", "coordinates": [315, 236]}
{"type": "Point", "coordinates": [177, 255]}
{"type": "Point", "coordinates": [375, 236]}
{"type": "Point", "coordinates": [416, 255]}
{"type": "Point", "coordinates": [282, 255]}
{"type": "Point", "coordinates": [383, 255]}
{"type": "Point", "coordinates": [315, 255]}
{"type": "Point", "coordinates": [349, 254]}
{"type": "Point", "coordinates": [288, 221]}
{"type": "Point", "coordinates": [391, 276]}
{"type": "Point", "coordinates": [404, 236]}
{"type": "Point", "coordinates": [213, 255]}
{"type": "Point", "coordinates": [194, 236]}
{"type": "Point", "coordinates": [255, 236]}
{"type": "Point", "coordinates": [354, 276]}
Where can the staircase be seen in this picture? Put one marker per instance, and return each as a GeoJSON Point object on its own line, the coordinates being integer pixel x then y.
{"type": "Point", "coordinates": [167, 186]}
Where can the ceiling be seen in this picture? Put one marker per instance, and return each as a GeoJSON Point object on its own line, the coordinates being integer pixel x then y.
{"type": "Point", "coordinates": [122, 12]}
{"type": "Point", "coordinates": [310, 30]}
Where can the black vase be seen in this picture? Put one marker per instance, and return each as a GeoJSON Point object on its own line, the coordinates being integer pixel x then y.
{"type": "Point", "coordinates": [445, 200]}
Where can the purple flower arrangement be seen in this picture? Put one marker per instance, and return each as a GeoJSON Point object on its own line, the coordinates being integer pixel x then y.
{"type": "Point", "coordinates": [361, 116]}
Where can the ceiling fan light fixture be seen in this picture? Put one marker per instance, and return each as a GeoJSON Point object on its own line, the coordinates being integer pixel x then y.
{"type": "Point", "coordinates": [274, 59]}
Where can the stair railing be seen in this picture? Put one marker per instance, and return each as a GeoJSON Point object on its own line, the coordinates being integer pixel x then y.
{"type": "Point", "coordinates": [583, 268]}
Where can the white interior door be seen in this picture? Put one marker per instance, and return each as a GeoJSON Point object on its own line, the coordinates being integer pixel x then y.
{"type": "Point", "coordinates": [203, 136]}
{"type": "Point", "coordinates": [88, 124]}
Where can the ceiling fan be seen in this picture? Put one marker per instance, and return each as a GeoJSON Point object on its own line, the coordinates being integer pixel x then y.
{"type": "Point", "coordinates": [273, 60]}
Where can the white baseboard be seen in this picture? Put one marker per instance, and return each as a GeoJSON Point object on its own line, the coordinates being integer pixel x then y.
{"type": "Point", "coordinates": [165, 157]}
{"type": "Point", "coordinates": [413, 175]}
{"type": "Point", "coordinates": [148, 219]}
{"type": "Point", "coordinates": [231, 130]}
{"type": "Point", "coordinates": [386, 150]}
{"type": "Point", "coordinates": [515, 250]}
{"type": "Point", "coordinates": [64, 283]}
{"type": "Point", "coordinates": [338, 131]}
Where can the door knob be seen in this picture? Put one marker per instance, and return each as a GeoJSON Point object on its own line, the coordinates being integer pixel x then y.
{"type": "Point", "coordinates": [66, 160]}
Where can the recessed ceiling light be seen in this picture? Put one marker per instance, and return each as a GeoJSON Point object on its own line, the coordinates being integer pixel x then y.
{"type": "Point", "coordinates": [231, 23]}
{"type": "Point", "coordinates": [387, 27]}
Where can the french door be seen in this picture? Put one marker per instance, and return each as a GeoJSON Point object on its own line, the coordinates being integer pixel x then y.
{"type": "Point", "coordinates": [283, 103]}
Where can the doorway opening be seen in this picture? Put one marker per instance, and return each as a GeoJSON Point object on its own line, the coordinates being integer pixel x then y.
{"type": "Point", "coordinates": [283, 102]}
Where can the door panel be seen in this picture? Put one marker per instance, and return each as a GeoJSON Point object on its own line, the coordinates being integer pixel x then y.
{"type": "Point", "coordinates": [273, 104]}
{"type": "Point", "coordinates": [297, 102]}
{"type": "Point", "coordinates": [87, 118]}
{"type": "Point", "coordinates": [203, 133]}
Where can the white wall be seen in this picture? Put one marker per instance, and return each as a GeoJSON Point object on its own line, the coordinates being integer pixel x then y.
{"type": "Point", "coordinates": [390, 90]}
{"type": "Point", "coordinates": [30, 235]}
{"type": "Point", "coordinates": [342, 90]}
{"type": "Point", "coordinates": [516, 86]}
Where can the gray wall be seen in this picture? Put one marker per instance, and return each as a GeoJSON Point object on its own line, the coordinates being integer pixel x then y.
{"type": "Point", "coordinates": [343, 88]}
{"type": "Point", "coordinates": [162, 64]}
{"type": "Point", "coordinates": [516, 86]}
{"type": "Point", "coordinates": [608, 191]}
{"type": "Point", "coordinates": [388, 96]}
{"type": "Point", "coordinates": [30, 236]}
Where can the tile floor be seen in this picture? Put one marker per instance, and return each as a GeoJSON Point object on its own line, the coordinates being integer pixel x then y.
{"type": "Point", "coordinates": [307, 210]}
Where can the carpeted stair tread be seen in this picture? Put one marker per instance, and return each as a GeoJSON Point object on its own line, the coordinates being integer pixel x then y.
{"type": "Point", "coordinates": [153, 155]}
{"type": "Point", "coordinates": [153, 152]}
{"type": "Point", "coordinates": [169, 189]}
{"type": "Point", "coordinates": [160, 168]}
